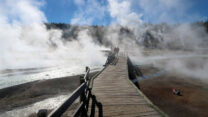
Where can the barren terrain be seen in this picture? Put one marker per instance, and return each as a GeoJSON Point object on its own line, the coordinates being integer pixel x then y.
{"type": "Point", "coordinates": [25, 94]}
{"type": "Point", "coordinates": [192, 103]}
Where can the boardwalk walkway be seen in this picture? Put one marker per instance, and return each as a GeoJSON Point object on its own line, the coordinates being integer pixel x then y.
{"type": "Point", "coordinates": [119, 97]}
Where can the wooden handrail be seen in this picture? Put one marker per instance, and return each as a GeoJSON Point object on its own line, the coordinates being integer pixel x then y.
{"type": "Point", "coordinates": [84, 92]}
{"type": "Point", "coordinates": [65, 105]}
{"type": "Point", "coordinates": [60, 110]}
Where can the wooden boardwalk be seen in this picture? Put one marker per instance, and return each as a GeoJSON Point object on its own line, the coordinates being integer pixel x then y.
{"type": "Point", "coordinates": [119, 97]}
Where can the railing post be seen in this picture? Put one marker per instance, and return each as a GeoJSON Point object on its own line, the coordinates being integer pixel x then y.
{"type": "Point", "coordinates": [92, 114]}
{"type": "Point", "coordinates": [86, 68]}
{"type": "Point", "coordinates": [88, 99]}
{"type": "Point", "coordinates": [100, 109]}
{"type": "Point", "coordinates": [87, 76]}
{"type": "Point", "coordinates": [83, 97]}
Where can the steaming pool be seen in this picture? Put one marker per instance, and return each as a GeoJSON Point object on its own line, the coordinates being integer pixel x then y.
{"type": "Point", "coordinates": [19, 76]}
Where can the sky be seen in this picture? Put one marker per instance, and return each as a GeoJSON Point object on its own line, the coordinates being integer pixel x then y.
{"type": "Point", "coordinates": [98, 11]}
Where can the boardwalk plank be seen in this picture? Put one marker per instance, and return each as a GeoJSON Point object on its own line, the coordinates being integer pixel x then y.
{"type": "Point", "coordinates": [118, 96]}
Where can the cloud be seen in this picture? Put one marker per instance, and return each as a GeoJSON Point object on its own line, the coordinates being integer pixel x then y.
{"type": "Point", "coordinates": [131, 12]}
{"type": "Point", "coordinates": [22, 11]}
{"type": "Point", "coordinates": [79, 2]}
{"type": "Point", "coordinates": [122, 12]}
{"type": "Point", "coordinates": [170, 11]}
{"type": "Point", "coordinates": [89, 12]}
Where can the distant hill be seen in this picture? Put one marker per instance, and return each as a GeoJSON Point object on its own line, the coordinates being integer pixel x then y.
{"type": "Point", "coordinates": [152, 35]}
{"type": "Point", "coordinates": [98, 33]}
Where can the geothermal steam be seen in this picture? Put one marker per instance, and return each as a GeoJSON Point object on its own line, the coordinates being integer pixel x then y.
{"type": "Point", "coordinates": [25, 41]}
{"type": "Point", "coordinates": [180, 48]}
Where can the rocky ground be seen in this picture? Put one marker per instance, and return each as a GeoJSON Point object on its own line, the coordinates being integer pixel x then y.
{"type": "Point", "coordinates": [192, 103]}
{"type": "Point", "coordinates": [29, 93]}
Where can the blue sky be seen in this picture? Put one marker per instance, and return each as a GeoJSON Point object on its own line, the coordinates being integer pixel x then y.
{"type": "Point", "coordinates": [59, 10]}
{"type": "Point", "coordinates": [65, 11]}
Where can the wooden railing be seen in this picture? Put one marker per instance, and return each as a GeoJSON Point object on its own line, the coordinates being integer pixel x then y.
{"type": "Point", "coordinates": [84, 93]}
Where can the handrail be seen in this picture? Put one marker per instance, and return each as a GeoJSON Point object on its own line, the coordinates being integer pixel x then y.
{"type": "Point", "coordinates": [60, 110]}
{"type": "Point", "coordinates": [84, 92]}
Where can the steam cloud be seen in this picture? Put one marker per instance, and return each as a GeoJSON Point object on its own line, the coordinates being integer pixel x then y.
{"type": "Point", "coordinates": [25, 41]}
{"type": "Point", "coordinates": [177, 48]}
